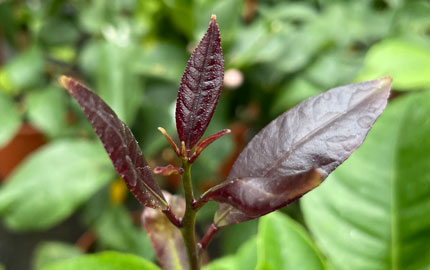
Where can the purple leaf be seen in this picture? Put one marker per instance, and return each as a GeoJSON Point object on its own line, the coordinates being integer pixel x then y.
{"type": "Point", "coordinates": [165, 237]}
{"type": "Point", "coordinates": [200, 87]}
{"type": "Point", "coordinates": [318, 134]}
{"type": "Point", "coordinates": [119, 143]}
{"type": "Point", "coordinates": [257, 196]}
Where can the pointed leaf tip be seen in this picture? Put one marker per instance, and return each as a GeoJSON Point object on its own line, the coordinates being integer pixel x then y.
{"type": "Point", "coordinates": [200, 87]}
{"type": "Point", "coordinates": [213, 17]}
{"type": "Point", "coordinates": [386, 81]}
{"type": "Point", "coordinates": [64, 81]}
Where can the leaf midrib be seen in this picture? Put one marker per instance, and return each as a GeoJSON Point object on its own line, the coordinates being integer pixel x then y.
{"type": "Point", "coordinates": [394, 216]}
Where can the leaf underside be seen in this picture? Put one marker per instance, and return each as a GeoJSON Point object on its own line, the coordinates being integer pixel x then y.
{"type": "Point", "coordinates": [256, 196]}
{"type": "Point", "coordinates": [119, 143]}
{"type": "Point", "coordinates": [200, 87]}
{"type": "Point", "coordinates": [165, 237]}
{"type": "Point", "coordinates": [318, 134]}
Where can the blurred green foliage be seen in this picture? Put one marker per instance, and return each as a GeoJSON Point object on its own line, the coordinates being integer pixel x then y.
{"type": "Point", "coordinates": [133, 53]}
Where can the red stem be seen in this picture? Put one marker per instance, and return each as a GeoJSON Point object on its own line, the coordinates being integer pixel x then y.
{"type": "Point", "coordinates": [211, 231]}
{"type": "Point", "coordinates": [171, 216]}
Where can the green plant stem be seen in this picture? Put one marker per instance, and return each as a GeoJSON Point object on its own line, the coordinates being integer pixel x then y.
{"type": "Point", "coordinates": [189, 220]}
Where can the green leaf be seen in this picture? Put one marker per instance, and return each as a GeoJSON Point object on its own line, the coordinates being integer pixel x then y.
{"type": "Point", "coordinates": [233, 237]}
{"type": "Point", "coordinates": [107, 260]}
{"type": "Point", "coordinates": [228, 17]}
{"type": "Point", "coordinates": [115, 230]}
{"type": "Point", "coordinates": [283, 244]}
{"type": "Point", "coordinates": [407, 63]}
{"type": "Point", "coordinates": [22, 71]}
{"type": "Point", "coordinates": [117, 84]}
{"type": "Point", "coordinates": [10, 119]}
{"type": "Point", "coordinates": [293, 93]}
{"type": "Point", "coordinates": [373, 211]}
{"type": "Point", "coordinates": [244, 259]}
{"type": "Point", "coordinates": [47, 110]}
{"type": "Point", "coordinates": [224, 263]}
{"type": "Point", "coordinates": [162, 60]}
{"type": "Point", "coordinates": [49, 252]}
{"type": "Point", "coordinates": [50, 184]}
{"type": "Point", "coordinates": [58, 30]}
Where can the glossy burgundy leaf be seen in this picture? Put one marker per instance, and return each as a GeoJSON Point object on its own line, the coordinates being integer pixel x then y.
{"type": "Point", "coordinates": [165, 237]}
{"type": "Point", "coordinates": [319, 133]}
{"type": "Point", "coordinates": [119, 143]}
{"type": "Point", "coordinates": [200, 87]}
{"type": "Point", "coordinates": [256, 196]}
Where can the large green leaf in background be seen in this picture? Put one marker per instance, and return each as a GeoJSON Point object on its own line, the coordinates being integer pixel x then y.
{"type": "Point", "coordinates": [49, 185]}
{"type": "Point", "coordinates": [107, 260]}
{"type": "Point", "coordinates": [117, 83]}
{"type": "Point", "coordinates": [283, 244]}
{"type": "Point", "coordinates": [115, 230]}
{"type": "Point", "coordinates": [406, 62]}
{"type": "Point", "coordinates": [373, 212]}
{"type": "Point", "coordinates": [23, 71]}
{"type": "Point", "coordinates": [46, 109]}
{"type": "Point", "coordinates": [113, 67]}
{"type": "Point", "coordinates": [49, 252]}
{"type": "Point", "coordinates": [9, 119]}
{"type": "Point", "coordinates": [244, 259]}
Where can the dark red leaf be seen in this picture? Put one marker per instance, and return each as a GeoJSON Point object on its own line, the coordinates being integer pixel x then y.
{"type": "Point", "coordinates": [165, 237]}
{"type": "Point", "coordinates": [168, 170]}
{"type": "Point", "coordinates": [200, 87]}
{"type": "Point", "coordinates": [320, 133]}
{"type": "Point", "coordinates": [258, 196]}
{"type": "Point", "coordinates": [206, 142]}
{"type": "Point", "coordinates": [119, 143]}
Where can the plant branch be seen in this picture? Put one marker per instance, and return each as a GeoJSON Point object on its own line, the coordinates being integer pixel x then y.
{"type": "Point", "coordinates": [197, 204]}
{"type": "Point", "coordinates": [189, 220]}
{"type": "Point", "coordinates": [211, 231]}
{"type": "Point", "coordinates": [173, 219]}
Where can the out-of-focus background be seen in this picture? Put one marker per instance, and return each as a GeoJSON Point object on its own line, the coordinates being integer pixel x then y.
{"type": "Point", "coordinates": [59, 194]}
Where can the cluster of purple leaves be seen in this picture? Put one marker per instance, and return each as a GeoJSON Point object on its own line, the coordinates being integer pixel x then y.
{"type": "Point", "coordinates": [289, 157]}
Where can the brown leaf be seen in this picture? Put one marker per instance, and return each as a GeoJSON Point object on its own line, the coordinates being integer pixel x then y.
{"type": "Point", "coordinates": [165, 237]}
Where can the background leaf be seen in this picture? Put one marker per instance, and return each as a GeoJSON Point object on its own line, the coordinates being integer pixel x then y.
{"type": "Point", "coordinates": [23, 71]}
{"type": "Point", "coordinates": [117, 83]}
{"type": "Point", "coordinates": [46, 110]}
{"type": "Point", "coordinates": [10, 119]}
{"type": "Point", "coordinates": [107, 260]}
{"type": "Point", "coordinates": [165, 237]}
{"type": "Point", "coordinates": [373, 211]}
{"type": "Point", "coordinates": [244, 259]}
{"type": "Point", "coordinates": [49, 252]}
{"type": "Point", "coordinates": [52, 183]}
{"type": "Point", "coordinates": [283, 244]}
{"type": "Point", "coordinates": [407, 62]}
{"type": "Point", "coordinates": [115, 230]}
